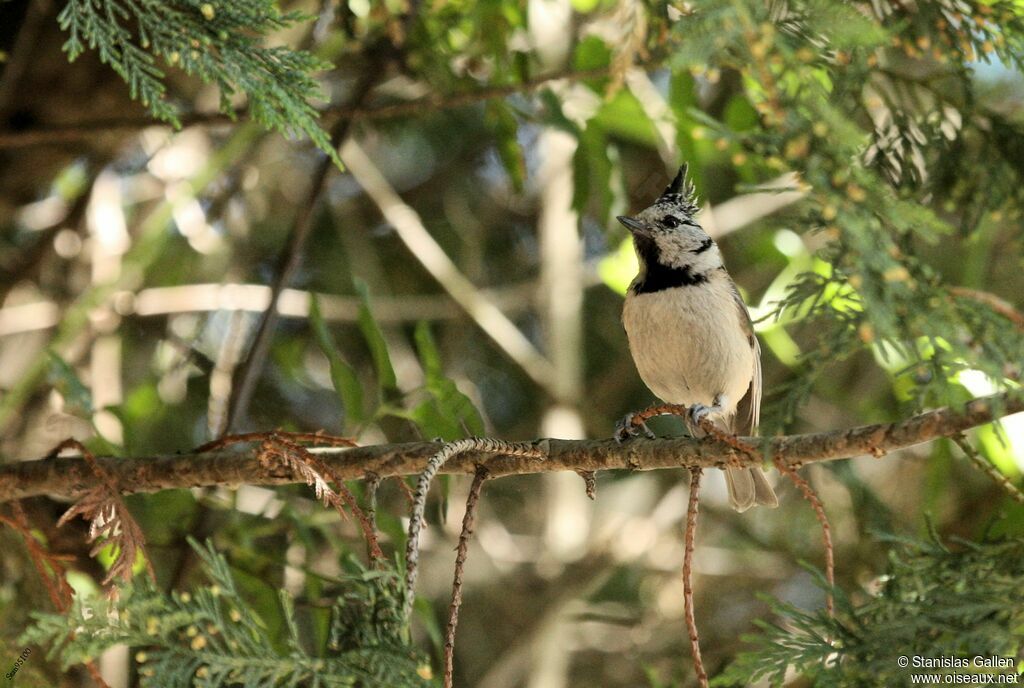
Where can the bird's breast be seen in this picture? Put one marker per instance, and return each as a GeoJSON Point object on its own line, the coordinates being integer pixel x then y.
{"type": "Point", "coordinates": [689, 344]}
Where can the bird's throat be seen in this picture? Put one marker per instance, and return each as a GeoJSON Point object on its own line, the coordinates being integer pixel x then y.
{"type": "Point", "coordinates": [655, 276]}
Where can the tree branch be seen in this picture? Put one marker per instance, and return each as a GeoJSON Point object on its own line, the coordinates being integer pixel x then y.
{"type": "Point", "coordinates": [59, 133]}
{"type": "Point", "coordinates": [68, 477]}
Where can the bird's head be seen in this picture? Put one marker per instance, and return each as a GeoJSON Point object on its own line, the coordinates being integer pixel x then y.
{"type": "Point", "coordinates": [666, 231]}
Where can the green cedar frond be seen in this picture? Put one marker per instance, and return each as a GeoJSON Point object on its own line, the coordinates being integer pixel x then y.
{"type": "Point", "coordinates": [934, 601]}
{"type": "Point", "coordinates": [213, 637]}
{"type": "Point", "coordinates": [220, 42]}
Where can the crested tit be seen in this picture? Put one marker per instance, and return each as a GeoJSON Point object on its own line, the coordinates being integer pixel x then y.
{"type": "Point", "coordinates": [689, 332]}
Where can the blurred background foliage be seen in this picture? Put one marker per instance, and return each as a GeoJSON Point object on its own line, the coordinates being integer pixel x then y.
{"type": "Point", "coordinates": [860, 163]}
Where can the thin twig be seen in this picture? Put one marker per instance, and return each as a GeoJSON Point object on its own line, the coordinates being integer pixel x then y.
{"type": "Point", "coordinates": [49, 566]}
{"type": "Point", "coordinates": [94, 672]}
{"type": "Point", "coordinates": [63, 133]}
{"type": "Point", "coordinates": [468, 524]}
{"type": "Point", "coordinates": [691, 621]}
{"type": "Point", "coordinates": [404, 488]}
{"type": "Point", "coordinates": [419, 504]}
{"type": "Point", "coordinates": [69, 476]}
{"type": "Point", "coordinates": [286, 447]}
{"type": "Point", "coordinates": [372, 483]}
{"type": "Point", "coordinates": [1000, 306]}
{"type": "Point", "coordinates": [826, 529]}
{"type": "Point", "coordinates": [251, 368]}
{"type": "Point", "coordinates": [247, 437]}
{"type": "Point", "coordinates": [987, 468]}
{"type": "Point", "coordinates": [740, 446]}
{"type": "Point", "coordinates": [368, 525]}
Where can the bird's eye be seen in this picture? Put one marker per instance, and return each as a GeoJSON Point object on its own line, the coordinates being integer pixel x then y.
{"type": "Point", "coordinates": [670, 221]}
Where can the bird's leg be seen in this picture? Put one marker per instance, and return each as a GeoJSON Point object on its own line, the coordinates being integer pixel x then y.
{"type": "Point", "coordinates": [631, 426]}
{"type": "Point", "coordinates": [698, 412]}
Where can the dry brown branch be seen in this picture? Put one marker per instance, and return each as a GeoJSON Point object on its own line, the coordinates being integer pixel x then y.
{"type": "Point", "coordinates": [94, 672]}
{"type": "Point", "coordinates": [987, 468]}
{"type": "Point", "coordinates": [691, 531]}
{"type": "Point", "coordinates": [997, 304]}
{"type": "Point", "coordinates": [317, 438]}
{"type": "Point", "coordinates": [826, 530]}
{"type": "Point", "coordinates": [404, 488]}
{"type": "Point", "coordinates": [110, 521]}
{"type": "Point", "coordinates": [49, 566]}
{"type": "Point", "coordinates": [365, 522]}
{"type": "Point", "coordinates": [284, 447]}
{"type": "Point", "coordinates": [70, 477]}
{"type": "Point", "coordinates": [468, 524]}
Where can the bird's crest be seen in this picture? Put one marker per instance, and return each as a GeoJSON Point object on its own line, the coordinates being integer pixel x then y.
{"type": "Point", "coordinates": [680, 192]}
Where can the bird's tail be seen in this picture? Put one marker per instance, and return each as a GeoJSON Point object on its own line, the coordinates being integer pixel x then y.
{"type": "Point", "coordinates": [749, 487]}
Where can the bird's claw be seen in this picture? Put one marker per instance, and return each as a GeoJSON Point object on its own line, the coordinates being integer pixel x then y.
{"type": "Point", "coordinates": [630, 426]}
{"type": "Point", "coordinates": [694, 417]}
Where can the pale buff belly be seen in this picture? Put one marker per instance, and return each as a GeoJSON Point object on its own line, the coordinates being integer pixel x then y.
{"type": "Point", "coordinates": [689, 345]}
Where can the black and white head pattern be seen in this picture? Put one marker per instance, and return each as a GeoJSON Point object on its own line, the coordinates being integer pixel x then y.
{"type": "Point", "coordinates": [674, 250]}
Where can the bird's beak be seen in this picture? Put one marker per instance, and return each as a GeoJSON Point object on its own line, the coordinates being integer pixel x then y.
{"type": "Point", "coordinates": [630, 223]}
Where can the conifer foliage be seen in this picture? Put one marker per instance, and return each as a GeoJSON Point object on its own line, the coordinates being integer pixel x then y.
{"type": "Point", "coordinates": [220, 42]}
{"type": "Point", "coordinates": [211, 636]}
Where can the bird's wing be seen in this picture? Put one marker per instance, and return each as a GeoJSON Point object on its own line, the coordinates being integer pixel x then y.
{"type": "Point", "coordinates": [748, 411]}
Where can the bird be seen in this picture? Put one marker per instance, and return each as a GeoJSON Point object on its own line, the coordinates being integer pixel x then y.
{"type": "Point", "coordinates": [689, 332]}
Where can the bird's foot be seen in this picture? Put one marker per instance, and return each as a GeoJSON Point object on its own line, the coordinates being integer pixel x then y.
{"type": "Point", "coordinates": [631, 426]}
{"type": "Point", "coordinates": [699, 412]}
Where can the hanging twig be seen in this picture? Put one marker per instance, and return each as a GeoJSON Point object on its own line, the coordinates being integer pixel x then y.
{"type": "Point", "coordinates": [419, 504]}
{"type": "Point", "coordinates": [468, 524]}
{"type": "Point", "coordinates": [751, 451]}
{"type": "Point", "coordinates": [372, 483]}
{"type": "Point", "coordinates": [49, 566]}
{"type": "Point", "coordinates": [826, 529]}
{"type": "Point", "coordinates": [691, 531]}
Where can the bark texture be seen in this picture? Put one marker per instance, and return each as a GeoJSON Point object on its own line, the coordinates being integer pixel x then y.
{"type": "Point", "coordinates": [71, 476]}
